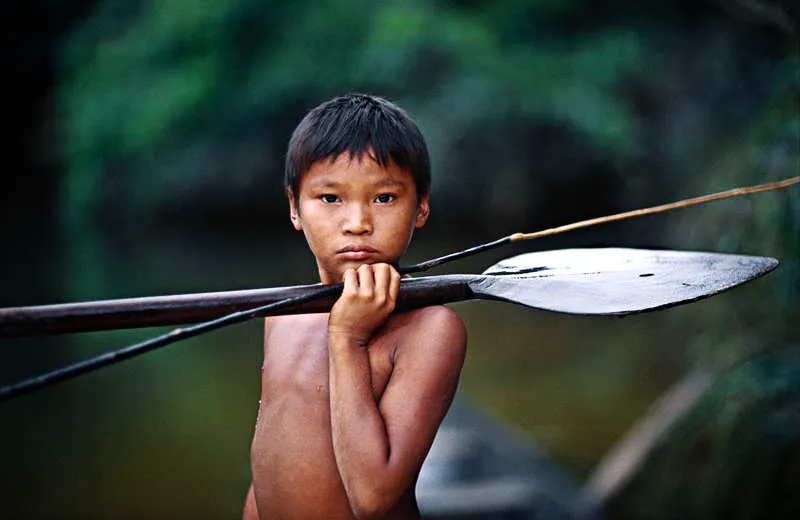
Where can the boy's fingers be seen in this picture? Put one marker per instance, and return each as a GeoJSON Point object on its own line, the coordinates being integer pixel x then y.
{"type": "Point", "coordinates": [366, 281]}
{"type": "Point", "coordinates": [350, 279]}
{"type": "Point", "coordinates": [387, 286]}
{"type": "Point", "coordinates": [382, 280]}
{"type": "Point", "coordinates": [394, 285]}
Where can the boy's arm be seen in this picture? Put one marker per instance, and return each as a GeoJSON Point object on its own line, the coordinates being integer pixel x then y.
{"type": "Point", "coordinates": [380, 447]}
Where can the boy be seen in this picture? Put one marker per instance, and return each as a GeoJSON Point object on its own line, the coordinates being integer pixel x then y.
{"type": "Point", "coordinates": [351, 400]}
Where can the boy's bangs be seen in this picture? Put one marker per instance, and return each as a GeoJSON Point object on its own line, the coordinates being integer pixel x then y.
{"type": "Point", "coordinates": [365, 132]}
{"type": "Point", "coordinates": [358, 124]}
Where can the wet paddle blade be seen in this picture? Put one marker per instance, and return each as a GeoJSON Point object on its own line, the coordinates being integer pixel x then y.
{"type": "Point", "coordinates": [615, 281]}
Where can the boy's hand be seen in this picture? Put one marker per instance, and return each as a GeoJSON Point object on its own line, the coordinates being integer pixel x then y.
{"type": "Point", "coordinates": [368, 297]}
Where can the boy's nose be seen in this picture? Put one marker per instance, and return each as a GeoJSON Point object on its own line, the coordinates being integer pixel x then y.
{"type": "Point", "coordinates": [357, 221]}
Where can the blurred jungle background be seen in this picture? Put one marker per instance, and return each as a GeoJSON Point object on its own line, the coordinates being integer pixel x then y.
{"type": "Point", "coordinates": [143, 155]}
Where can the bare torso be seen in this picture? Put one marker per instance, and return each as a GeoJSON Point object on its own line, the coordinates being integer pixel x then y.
{"type": "Point", "coordinates": [294, 470]}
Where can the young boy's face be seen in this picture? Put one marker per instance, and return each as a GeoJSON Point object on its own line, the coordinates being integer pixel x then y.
{"type": "Point", "coordinates": [353, 211]}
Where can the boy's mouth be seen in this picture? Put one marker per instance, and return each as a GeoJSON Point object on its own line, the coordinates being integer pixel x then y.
{"type": "Point", "coordinates": [356, 252]}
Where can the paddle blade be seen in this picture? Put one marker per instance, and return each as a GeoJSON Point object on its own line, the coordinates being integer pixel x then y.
{"type": "Point", "coordinates": [615, 281]}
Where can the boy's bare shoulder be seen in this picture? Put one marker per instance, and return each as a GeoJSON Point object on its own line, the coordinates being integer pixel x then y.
{"type": "Point", "coordinates": [434, 316]}
{"type": "Point", "coordinates": [294, 319]}
{"type": "Point", "coordinates": [296, 324]}
{"type": "Point", "coordinates": [425, 328]}
{"type": "Point", "coordinates": [432, 326]}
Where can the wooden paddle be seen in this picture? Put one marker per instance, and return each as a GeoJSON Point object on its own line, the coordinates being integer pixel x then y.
{"type": "Point", "coordinates": [612, 281]}
{"type": "Point", "coordinates": [579, 281]}
{"type": "Point", "coordinates": [169, 310]}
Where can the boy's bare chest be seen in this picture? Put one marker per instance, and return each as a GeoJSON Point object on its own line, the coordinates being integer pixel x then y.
{"type": "Point", "coordinates": [296, 359]}
{"type": "Point", "coordinates": [292, 438]}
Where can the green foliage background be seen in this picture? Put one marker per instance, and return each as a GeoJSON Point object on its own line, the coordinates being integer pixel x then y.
{"type": "Point", "coordinates": [167, 125]}
{"type": "Point", "coordinates": [181, 109]}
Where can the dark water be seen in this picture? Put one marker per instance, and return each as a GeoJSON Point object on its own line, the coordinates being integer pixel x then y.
{"type": "Point", "coordinates": [167, 434]}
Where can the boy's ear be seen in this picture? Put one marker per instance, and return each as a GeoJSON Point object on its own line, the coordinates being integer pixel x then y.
{"type": "Point", "coordinates": [423, 211]}
{"type": "Point", "coordinates": [294, 212]}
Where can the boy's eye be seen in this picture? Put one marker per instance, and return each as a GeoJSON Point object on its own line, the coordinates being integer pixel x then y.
{"type": "Point", "coordinates": [385, 198]}
{"type": "Point", "coordinates": [328, 198]}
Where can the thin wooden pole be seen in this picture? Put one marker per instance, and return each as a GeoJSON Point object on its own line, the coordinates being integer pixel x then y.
{"type": "Point", "coordinates": [519, 237]}
{"type": "Point", "coordinates": [115, 356]}
{"type": "Point", "coordinates": [735, 192]}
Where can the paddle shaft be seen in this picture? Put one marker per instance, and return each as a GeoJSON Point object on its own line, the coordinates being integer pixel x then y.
{"type": "Point", "coordinates": [314, 298]}
{"type": "Point", "coordinates": [181, 309]}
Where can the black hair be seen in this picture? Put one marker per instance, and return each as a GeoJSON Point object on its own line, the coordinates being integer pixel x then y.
{"type": "Point", "coordinates": [355, 123]}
